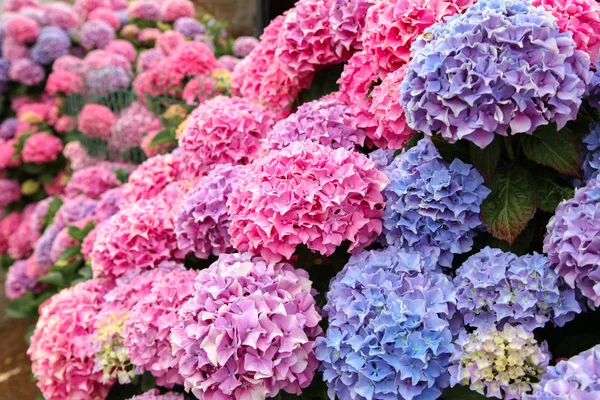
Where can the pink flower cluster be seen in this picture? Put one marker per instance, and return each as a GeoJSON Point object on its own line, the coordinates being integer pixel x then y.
{"type": "Point", "coordinates": [78, 156]}
{"type": "Point", "coordinates": [18, 283]}
{"type": "Point", "coordinates": [130, 126]}
{"type": "Point", "coordinates": [172, 10]}
{"type": "Point", "coordinates": [91, 182]}
{"type": "Point", "coordinates": [41, 148]}
{"type": "Point", "coordinates": [248, 331]}
{"type": "Point", "coordinates": [64, 82]}
{"type": "Point", "coordinates": [23, 238]}
{"type": "Point", "coordinates": [22, 29]}
{"type": "Point", "coordinates": [151, 177]}
{"type": "Point", "coordinates": [10, 191]}
{"type": "Point", "coordinates": [109, 204]}
{"type": "Point", "coordinates": [154, 394]}
{"type": "Point", "coordinates": [347, 19]}
{"type": "Point", "coordinates": [144, 9]}
{"type": "Point", "coordinates": [60, 360]}
{"type": "Point", "coordinates": [96, 121]}
{"type": "Point", "coordinates": [223, 130]}
{"type": "Point", "coordinates": [122, 48]}
{"type": "Point", "coordinates": [8, 225]}
{"type": "Point", "coordinates": [307, 194]}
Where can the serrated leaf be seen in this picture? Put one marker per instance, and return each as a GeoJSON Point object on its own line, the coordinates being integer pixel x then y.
{"type": "Point", "coordinates": [69, 253]}
{"type": "Point", "coordinates": [558, 150]}
{"type": "Point", "coordinates": [550, 194]}
{"type": "Point", "coordinates": [511, 204]}
{"type": "Point", "coordinates": [52, 278]}
{"type": "Point", "coordinates": [486, 160]}
{"type": "Point", "coordinates": [166, 136]}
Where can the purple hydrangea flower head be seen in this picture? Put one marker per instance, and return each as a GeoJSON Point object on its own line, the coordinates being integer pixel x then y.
{"type": "Point", "coordinates": [499, 363]}
{"type": "Point", "coordinates": [575, 378]}
{"type": "Point", "coordinates": [52, 43]}
{"type": "Point", "coordinates": [594, 87]}
{"type": "Point", "coordinates": [106, 80]}
{"type": "Point", "coordinates": [590, 151]}
{"type": "Point", "coordinates": [74, 209]}
{"type": "Point", "coordinates": [382, 158]}
{"type": "Point", "coordinates": [43, 247]}
{"type": "Point", "coordinates": [501, 85]}
{"type": "Point", "coordinates": [8, 128]}
{"type": "Point", "coordinates": [347, 19]}
{"type": "Point", "coordinates": [4, 73]}
{"type": "Point", "coordinates": [390, 328]}
{"type": "Point", "coordinates": [189, 27]}
{"type": "Point", "coordinates": [154, 394]}
{"type": "Point", "coordinates": [17, 282]}
{"type": "Point", "coordinates": [26, 71]}
{"type": "Point", "coordinates": [327, 121]}
{"type": "Point", "coordinates": [494, 287]}
{"type": "Point", "coordinates": [244, 45]}
{"type": "Point", "coordinates": [109, 204]}
{"type": "Point", "coordinates": [149, 58]}
{"type": "Point", "coordinates": [431, 203]}
{"type": "Point", "coordinates": [202, 222]}
{"type": "Point", "coordinates": [96, 34]}
{"type": "Point", "coordinates": [573, 241]}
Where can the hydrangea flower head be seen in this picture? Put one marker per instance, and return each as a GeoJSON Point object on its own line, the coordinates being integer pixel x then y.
{"type": "Point", "coordinates": [227, 63]}
{"type": "Point", "coordinates": [172, 10]}
{"type": "Point", "coordinates": [572, 241]}
{"type": "Point", "coordinates": [91, 182]}
{"type": "Point", "coordinates": [231, 343]}
{"type": "Point", "coordinates": [590, 150]}
{"type": "Point", "coordinates": [514, 86]}
{"type": "Point", "coordinates": [96, 121]}
{"type": "Point", "coordinates": [84, 7]}
{"type": "Point", "coordinates": [149, 58]}
{"type": "Point", "coordinates": [26, 71]}
{"type": "Point", "coordinates": [244, 45]}
{"type": "Point", "coordinates": [52, 43]}
{"type": "Point", "coordinates": [59, 353]}
{"type": "Point", "coordinates": [41, 148]}
{"type": "Point", "coordinates": [22, 29]}
{"type": "Point", "coordinates": [389, 331]}
{"type": "Point", "coordinates": [154, 394]}
{"type": "Point", "coordinates": [494, 288]}
{"type": "Point", "coordinates": [347, 20]}
{"type": "Point", "coordinates": [307, 194]}
{"type": "Point", "coordinates": [17, 282]}
{"type": "Point", "coordinates": [22, 240]}
{"type": "Point", "coordinates": [144, 9]}
{"type": "Point", "coordinates": [8, 225]}
{"type": "Point", "coordinates": [8, 128]}
{"type": "Point", "coordinates": [123, 48]}
{"type": "Point", "coordinates": [151, 177]}
{"type": "Point", "coordinates": [189, 27]}
{"type": "Point", "coordinates": [73, 210]}
{"type": "Point", "coordinates": [64, 82]}
{"type": "Point", "coordinates": [61, 15]}
{"type": "Point", "coordinates": [223, 130]}
{"type": "Point", "coordinates": [107, 15]}
{"type": "Point", "coordinates": [327, 121]}
{"type": "Point", "coordinates": [17, 5]}
{"type": "Point", "coordinates": [499, 363]}
{"type": "Point", "coordinates": [96, 34]}
{"type": "Point", "coordinates": [10, 190]}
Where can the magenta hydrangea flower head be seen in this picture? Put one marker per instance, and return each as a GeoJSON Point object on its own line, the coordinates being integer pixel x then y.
{"type": "Point", "coordinates": [189, 27]}
{"type": "Point", "coordinates": [122, 48]}
{"type": "Point", "coordinates": [96, 34]}
{"type": "Point", "coordinates": [17, 282]}
{"type": "Point", "coordinates": [202, 222]}
{"type": "Point", "coordinates": [430, 203]}
{"type": "Point", "coordinates": [390, 332]}
{"type": "Point", "coordinates": [144, 9]}
{"type": "Point", "coordinates": [573, 243]}
{"type": "Point", "coordinates": [347, 20]}
{"type": "Point", "coordinates": [151, 177]}
{"type": "Point", "coordinates": [22, 239]}
{"type": "Point", "coordinates": [91, 182]}
{"type": "Point", "coordinates": [22, 29]}
{"type": "Point", "coordinates": [59, 352]}
{"type": "Point", "coordinates": [499, 363]}
{"type": "Point", "coordinates": [494, 288]}
{"type": "Point", "coordinates": [327, 121]}
{"type": "Point", "coordinates": [61, 15]}
{"type": "Point", "coordinates": [149, 323]}
{"type": "Point", "coordinates": [223, 130]}
{"type": "Point", "coordinates": [172, 10]}
{"type": "Point", "coordinates": [515, 86]}
{"type": "Point", "coordinates": [248, 330]}
{"type": "Point", "coordinates": [26, 71]}
{"type": "Point", "coordinates": [96, 121]}
{"type": "Point", "coordinates": [575, 378]}
{"type": "Point", "coordinates": [307, 194]}
{"type": "Point", "coordinates": [41, 148]}
{"type": "Point", "coordinates": [244, 45]}
{"type": "Point", "coordinates": [10, 191]}
{"type": "Point", "coordinates": [148, 59]}
{"type": "Point", "coordinates": [139, 237]}
{"type": "Point", "coordinates": [154, 394]}
{"type": "Point", "coordinates": [8, 225]}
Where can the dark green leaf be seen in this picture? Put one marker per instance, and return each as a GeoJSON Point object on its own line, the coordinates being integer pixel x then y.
{"type": "Point", "coordinates": [486, 160]}
{"type": "Point", "coordinates": [85, 272]}
{"type": "Point", "coordinates": [122, 175]}
{"type": "Point", "coordinates": [70, 252]}
{"type": "Point", "coordinates": [558, 150]}
{"type": "Point", "coordinates": [166, 136]}
{"type": "Point", "coordinates": [54, 206]}
{"type": "Point", "coordinates": [25, 307]}
{"type": "Point", "coordinates": [461, 393]}
{"type": "Point", "coordinates": [324, 82]}
{"type": "Point", "coordinates": [452, 151]}
{"type": "Point", "coordinates": [6, 261]}
{"type": "Point", "coordinates": [148, 381]}
{"type": "Point", "coordinates": [53, 278]}
{"type": "Point", "coordinates": [76, 234]}
{"type": "Point", "coordinates": [519, 247]}
{"type": "Point", "coordinates": [550, 194]}
{"type": "Point", "coordinates": [511, 204]}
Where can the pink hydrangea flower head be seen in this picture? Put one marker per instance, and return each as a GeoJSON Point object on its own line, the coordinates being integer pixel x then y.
{"type": "Point", "coordinates": [84, 7]}
{"type": "Point", "coordinates": [149, 35]}
{"type": "Point", "coordinates": [41, 148]}
{"type": "Point", "coordinates": [8, 157]}
{"type": "Point", "coordinates": [61, 242]}
{"type": "Point", "coordinates": [17, 282]}
{"type": "Point", "coordinates": [22, 240]}
{"type": "Point", "coordinates": [307, 194]}
{"type": "Point", "coordinates": [147, 329]}
{"type": "Point", "coordinates": [122, 48]}
{"type": "Point", "coordinates": [227, 62]}
{"type": "Point", "coordinates": [244, 45]}
{"type": "Point", "coordinates": [151, 177]}
{"type": "Point", "coordinates": [132, 123]}
{"type": "Point", "coordinates": [22, 29]}
{"type": "Point", "coordinates": [139, 237]}
{"type": "Point", "coordinates": [60, 359]}
{"type": "Point", "coordinates": [13, 51]}
{"type": "Point", "coordinates": [392, 26]}
{"type": "Point", "coordinates": [223, 130]}
{"type": "Point", "coordinates": [96, 34]}
{"type": "Point", "coordinates": [152, 151]}
{"type": "Point", "coordinates": [61, 15]}
{"type": "Point", "coordinates": [64, 124]}
{"type": "Point", "coordinates": [96, 121]}
{"type": "Point", "coordinates": [8, 225]}
{"type": "Point", "coordinates": [234, 352]}
{"type": "Point", "coordinates": [347, 20]}
{"type": "Point", "coordinates": [154, 394]}
{"type": "Point", "coordinates": [199, 89]}
{"type": "Point", "coordinates": [172, 196]}
{"type": "Point", "coordinates": [144, 9]}
{"type": "Point", "coordinates": [26, 71]}
{"type": "Point", "coordinates": [171, 10]}
{"type": "Point", "coordinates": [64, 82]}
{"type": "Point", "coordinates": [168, 41]}
{"type": "Point", "coordinates": [107, 15]}
{"type": "Point", "coordinates": [188, 60]}
{"type": "Point", "coordinates": [149, 58]}
{"type": "Point", "coordinates": [16, 5]}
{"type": "Point", "coordinates": [327, 121]}
{"type": "Point", "coordinates": [88, 244]}
{"type": "Point", "coordinates": [581, 18]}
{"type": "Point", "coordinates": [10, 191]}
{"type": "Point", "coordinates": [202, 222]}
{"type": "Point", "coordinates": [91, 182]}
{"type": "Point", "coordinates": [69, 63]}
{"type": "Point", "coordinates": [101, 58]}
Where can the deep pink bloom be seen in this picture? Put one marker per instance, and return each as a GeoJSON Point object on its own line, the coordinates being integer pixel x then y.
{"type": "Point", "coordinates": [96, 121]}
{"type": "Point", "coordinates": [91, 182]}
{"type": "Point", "coordinates": [23, 238]}
{"type": "Point", "coordinates": [41, 148]}
{"type": "Point", "coordinates": [64, 82]}
{"type": "Point", "coordinates": [199, 89]}
{"type": "Point", "coordinates": [107, 15]}
{"type": "Point", "coordinates": [22, 29]}
{"type": "Point", "coordinates": [171, 10]}
{"type": "Point", "coordinates": [62, 15]}
{"type": "Point", "coordinates": [151, 177]}
{"type": "Point", "coordinates": [57, 186]}
{"type": "Point", "coordinates": [59, 345]}
{"type": "Point", "coordinates": [7, 154]}
{"type": "Point", "coordinates": [8, 225]}
{"type": "Point", "coordinates": [307, 194]}
{"type": "Point", "coordinates": [144, 9]}
{"type": "Point", "coordinates": [122, 48]}
{"type": "Point", "coordinates": [64, 124]}
{"type": "Point", "coordinates": [168, 41]}
{"type": "Point", "coordinates": [10, 190]}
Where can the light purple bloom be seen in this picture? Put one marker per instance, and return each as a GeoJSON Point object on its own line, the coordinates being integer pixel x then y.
{"type": "Point", "coordinates": [26, 71]}
{"type": "Point", "coordinates": [189, 27]}
{"type": "Point", "coordinates": [590, 151]}
{"type": "Point", "coordinates": [96, 34]}
{"type": "Point", "coordinates": [8, 128]}
{"type": "Point", "coordinates": [52, 43]}
{"type": "Point", "coordinates": [244, 45]}
{"type": "Point", "coordinates": [18, 283]}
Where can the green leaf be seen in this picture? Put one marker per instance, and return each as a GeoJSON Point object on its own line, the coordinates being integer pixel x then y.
{"type": "Point", "coordinates": [53, 278]}
{"type": "Point", "coordinates": [519, 247]}
{"type": "Point", "coordinates": [550, 194]}
{"type": "Point", "coordinates": [166, 136]}
{"type": "Point", "coordinates": [511, 204]}
{"type": "Point", "coordinates": [460, 392]}
{"type": "Point", "coordinates": [486, 160]}
{"type": "Point", "coordinates": [122, 175]}
{"type": "Point", "coordinates": [147, 382]}
{"type": "Point", "coordinates": [54, 206]}
{"type": "Point", "coordinates": [69, 253]}
{"type": "Point", "coordinates": [76, 234]}
{"type": "Point", "coordinates": [452, 151]}
{"type": "Point", "coordinates": [25, 307]}
{"type": "Point", "coordinates": [85, 272]}
{"type": "Point", "coordinates": [558, 150]}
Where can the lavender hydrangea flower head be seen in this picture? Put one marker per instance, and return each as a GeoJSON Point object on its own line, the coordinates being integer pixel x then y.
{"type": "Point", "coordinates": [43, 247]}
{"type": "Point", "coordinates": [154, 394]}
{"type": "Point", "coordinates": [189, 27]}
{"type": "Point", "coordinates": [573, 241]}
{"type": "Point", "coordinates": [8, 128]}
{"type": "Point", "coordinates": [202, 222]}
{"type": "Point", "coordinates": [382, 158]}
{"type": "Point", "coordinates": [590, 150]}
{"type": "Point", "coordinates": [502, 85]}
{"type": "Point", "coordinates": [499, 363]}
{"type": "Point", "coordinates": [18, 283]}
{"type": "Point", "coordinates": [593, 93]}
{"type": "Point", "coordinates": [74, 209]}
{"type": "Point", "coordinates": [244, 45]}
{"type": "Point", "coordinates": [575, 378]}
{"type": "Point", "coordinates": [4, 73]}
{"type": "Point", "coordinates": [494, 287]}
{"type": "Point", "coordinates": [52, 43]}
{"type": "Point", "coordinates": [431, 203]}
{"type": "Point", "coordinates": [106, 80]}
{"type": "Point", "coordinates": [96, 34]}
{"type": "Point", "coordinates": [390, 332]}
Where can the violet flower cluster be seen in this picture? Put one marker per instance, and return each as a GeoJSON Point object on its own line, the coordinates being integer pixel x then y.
{"type": "Point", "coordinates": [52, 43]}
{"type": "Point", "coordinates": [590, 152]}
{"type": "Point", "coordinates": [390, 331]}
{"type": "Point", "coordinates": [18, 283]}
{"type": "Point", "coordinates": [431, 203]}
{"type": "Point", "coordinates": [501, 85]}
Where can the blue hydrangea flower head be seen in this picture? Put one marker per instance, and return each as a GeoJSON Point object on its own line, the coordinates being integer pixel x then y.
{"type": "Point", "coordinates": [433, 204]}
{"type": "Point", "coordinates": [593, 94]}
{"type": "Point", "coordinates": [501, 67]}
{"type": "Point", "coordinates": [590, 152]}
{"type": "Point", "coordinates": [52, 43]}
{"type": "Point", "coordinates": [382, 158]}
{"type": "Point", "coordinates": [391, 327]}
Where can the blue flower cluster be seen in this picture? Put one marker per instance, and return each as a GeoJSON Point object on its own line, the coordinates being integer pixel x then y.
{"type": "Point", "coordinates": [390, 332]}
{"type": "Point", "coordinates": [4, 68]}
{"type": "Point", "coordinates": [382, 158]}
{"type": "Point", "coordinates": [52, 43]}
{"type": "Point", "coordinates": [590, 152]}
{"type": "Point", "coordinates": [594, 87]}
{"type": "Point", "coordinates": [433, 204]}
{"type": "Point", "coordinates": [494, 287]}
{"type": "Point", "coordinates": [503, 66]}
